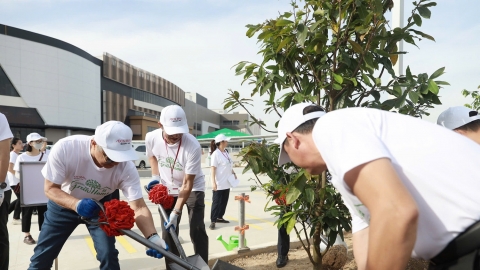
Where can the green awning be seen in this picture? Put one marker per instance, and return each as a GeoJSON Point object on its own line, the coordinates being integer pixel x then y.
{"type": "Point", "coordinates": [225, 131]}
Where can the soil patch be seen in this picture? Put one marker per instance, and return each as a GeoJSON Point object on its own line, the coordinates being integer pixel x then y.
{"type": "Point", "coordinates": [298, 260]}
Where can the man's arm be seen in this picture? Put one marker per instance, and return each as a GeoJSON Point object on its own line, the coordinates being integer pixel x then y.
{"type": "Point", "coordinates": [154, 165]}
{"type": "Point", "coordinates": [393, 213]}
{"type": "Point", "coordinates": [4, 158]}
{"type": "Point", "coordinates": [143, 217]}
{"type": "Point", "coordinates": [185, 191]}
{"type": "Point", "coordinates": [55, 193]}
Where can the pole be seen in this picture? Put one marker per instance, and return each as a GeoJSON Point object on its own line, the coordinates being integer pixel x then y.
{"type": "Point", "coordinates": [241, 221]}
{"type": "Point", "coordinates": [398, 21]}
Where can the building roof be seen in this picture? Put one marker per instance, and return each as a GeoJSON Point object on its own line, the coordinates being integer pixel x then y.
{"type": "Point", "coordinates": [225, 131]}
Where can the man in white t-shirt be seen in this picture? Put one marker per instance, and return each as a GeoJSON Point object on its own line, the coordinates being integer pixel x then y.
{"type": "Point", "coordinates": [79, 170]}
{"type": "Point", "coordinates": [411, 186]}
{"type": "Point", "coordinates": [175, 158]}
{"type": "Point", "coordinates": [462, 120]}
{"type": "Point", "coordinates": [5, 192]}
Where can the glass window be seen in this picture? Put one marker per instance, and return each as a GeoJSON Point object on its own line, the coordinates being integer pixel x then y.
{"type": "Point", "coordinates": [236, 122]}
{"type": "Point", "coordinates": [141, 148]}
{"type": "Point", "coordinates": [149, 128]}
{"type": "Point", "coordinates": [6, 87]}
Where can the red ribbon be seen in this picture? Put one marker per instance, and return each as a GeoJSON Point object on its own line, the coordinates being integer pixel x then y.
{"type": "Point", "coordinates": [119, 215]}
{"type": "Point", "coordinates": [245, 198]}
{"type": "Point", "coordinates": [242, 229]}
{"type": "Point", "coordinates": [159, 195]}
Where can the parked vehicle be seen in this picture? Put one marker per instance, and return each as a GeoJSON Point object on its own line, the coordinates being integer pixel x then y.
{"type": "Point", "coordinates": [142, 161]}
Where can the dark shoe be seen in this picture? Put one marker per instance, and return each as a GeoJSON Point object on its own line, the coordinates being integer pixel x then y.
{"type": "Point", "coordinates": [212, 226]}
{"type": "Point", "coordinates": [221, 220]}
{"type": "Point", "coordinates": [35, 212]}
{"type": "Point", "coordinates": [29, 240]}
{"type": "Point", "coordinates": [282, 261]}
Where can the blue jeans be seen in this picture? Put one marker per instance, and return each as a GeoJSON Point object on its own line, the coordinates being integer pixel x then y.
{"type": "Point", "coordinates": [58, 226]}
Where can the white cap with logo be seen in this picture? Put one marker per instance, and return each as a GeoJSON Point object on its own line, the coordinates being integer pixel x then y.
{"type": "Point", "coordinates": [116, 140]}
{"type": "Point", "coordinates": [35, 137]}
{"type": "Point", "coordinates": [173, 120]}
{"type": "Point", "coordinates": [455, 117]}
{"type": "Point", "coordinates": [221, 138]}
{"type": "Point", "coordinates": [291, 119]}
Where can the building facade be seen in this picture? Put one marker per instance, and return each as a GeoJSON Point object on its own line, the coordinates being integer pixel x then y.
{"type": "Point", "coordinates": [53, 88]}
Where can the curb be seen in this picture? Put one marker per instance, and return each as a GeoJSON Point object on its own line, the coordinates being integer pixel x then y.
{"type": "Point", "coordinates": [232, 255]}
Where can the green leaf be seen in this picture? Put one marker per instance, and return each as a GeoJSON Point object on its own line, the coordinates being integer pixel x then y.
{"type": "Point", "coordinates": [441, 83]}
{"type": "Point", "coordinates": [291, 223]}
{"type": "Point", "coordinates": [284, 42]}
{"type": "Point", "coordinates": [292, 194]}
{"type": "Point", "coordinates": [283, 22]}
{"type": "Point", "coordinates": [424, 12]}
{"type": "Point", "coordinates": [433, 87]}
{"type": "Point", "coordinates": [409, 74]}
{"type": "Point", "coordinates": [356, 47]}
{"type": "Point", "coordinates": [319, 11]}
{"type": "Point", "coordinates": [354, 81]}
{"type": "Point", "coordinates": [398, 90]}
{"type": "Point", "coordinates": [413, 96]}
{"type": "Point", "coordinates": [337, 78]}
{"type": "Point", "coordinates": [240, 66]}
{"type": "Point", "coordinates": [437, 73]}
{"type": "Point", "coordinates": [337, 86]}
{"type": "Point", "coordinates": [417, 19]}
{"type": "Point", "coordinates": [302, 34]}
{"type": "Point", "coordinates": [420, 33]}
{"type": "Point", "coordinates": [366, 79]}
{"type": "Point", "coordinates": [309, 195]}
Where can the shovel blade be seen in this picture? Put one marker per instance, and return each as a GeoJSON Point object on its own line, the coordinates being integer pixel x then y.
{"type": "Point", "coordinates": [195, 260]}
{"type": "Point", "coordinates": [221, 265]}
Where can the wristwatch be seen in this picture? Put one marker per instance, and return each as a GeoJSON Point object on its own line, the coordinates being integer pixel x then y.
{"type": "Point", "coordinates": [3, 185]}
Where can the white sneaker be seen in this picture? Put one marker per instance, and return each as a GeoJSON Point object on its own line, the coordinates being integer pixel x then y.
{"type": "Point", "coordinates": [17, 222]}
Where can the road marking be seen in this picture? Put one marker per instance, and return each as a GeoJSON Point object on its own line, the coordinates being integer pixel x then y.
{"type": "Point", "coordinates": [259, 219]}
{"type": "Point", "coordinates": [251, 225]}
{"type": "Point", "coordinates": [208, 203]}
{"type": "Point", "coordinates": [125, 244]}
{"type": "Point", "coordinates": [89, 241]}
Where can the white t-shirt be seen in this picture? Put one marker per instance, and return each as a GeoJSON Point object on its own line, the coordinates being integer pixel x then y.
{"type": "Point", "coordinates": [223, 164]}
{"type": "Point", "coordinates": [70, 165]}
{"type": "Point", "coordinates": [12, 179]}
{"type": "Point", "coordinates": [5, 133]}
{"type": "Point", "coordinates": [188, 161]}
{"type": "Point", "coordinates": [437, 166]}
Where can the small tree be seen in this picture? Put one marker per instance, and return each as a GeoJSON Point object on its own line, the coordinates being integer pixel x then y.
{"type": "Point", "coordinates": [336, 54]}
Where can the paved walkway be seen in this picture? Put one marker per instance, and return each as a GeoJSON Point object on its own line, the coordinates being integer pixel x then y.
{"type": "Point", "coordinates": [78, 252]}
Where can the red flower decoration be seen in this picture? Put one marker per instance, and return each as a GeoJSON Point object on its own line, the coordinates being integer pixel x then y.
{"type": "Point", "coordinates": [159, 195]}
{"type": "Point", "coordinates": [281, 200]}
{"type": "Point", "coordinates": [119, 215]}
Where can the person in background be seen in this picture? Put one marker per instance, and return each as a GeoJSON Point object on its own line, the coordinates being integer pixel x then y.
{"type": "Point", "coordinates": [462, 120]}
{"type": "Point", "coordinates": [221, 170]}
{"type": "Point", "coordinates": [32, 154]}
{"type": "Point", "coordinates": [15, 147]}
{"type": "Point", "coordinates": [175, 157]}
{"type": "Point", "coordinates": [5, 192]}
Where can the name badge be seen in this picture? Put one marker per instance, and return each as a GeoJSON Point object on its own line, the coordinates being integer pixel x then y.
{"type": "Point", "coordinates": [173, 191]}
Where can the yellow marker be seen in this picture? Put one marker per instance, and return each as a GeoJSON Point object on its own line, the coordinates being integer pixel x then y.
{"type": "Point", "coordinates": [208, 203]}
{"type": "Point", "coordinates": [259, 219]}
{"type": "Point", "coordinates": [89, 241]}
{"type": "Point", "coordinates": [251, 225]}
{"type": "Point", "coordinates": [125, 244]}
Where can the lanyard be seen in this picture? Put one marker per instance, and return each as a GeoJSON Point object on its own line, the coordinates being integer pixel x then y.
{"type": "Point", "coordinates": [226, 156]}
{"type": "Point", "coordinates": [176, 156]}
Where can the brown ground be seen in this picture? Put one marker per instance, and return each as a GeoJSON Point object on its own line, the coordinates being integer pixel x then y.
{"type": "Point", "coordinates": [298, 260]}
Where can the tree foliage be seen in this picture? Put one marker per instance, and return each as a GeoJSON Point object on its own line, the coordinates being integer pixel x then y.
{"type": "Point", "coordinates": [337, 54]}
{"type": "Point", "coordinates": [475, 104]}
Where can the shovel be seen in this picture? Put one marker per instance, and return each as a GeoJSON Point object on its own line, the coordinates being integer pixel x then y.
{"type": "Point", "coordinates": [178, 262]}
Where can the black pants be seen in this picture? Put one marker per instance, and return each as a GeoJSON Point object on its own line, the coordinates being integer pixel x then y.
{"type": "Point", "coordinates": [27, 217]}
{"type": "Point", "coordinates": [4, 243]}
{"type": "Point", "coordinates": [283, 243]}
{"type": "Point", "coordinates": [15, 206]}
{"type": "Point", "coordinates": [219, 204]}
{"type": "Point", "coordinates": [198, 235]}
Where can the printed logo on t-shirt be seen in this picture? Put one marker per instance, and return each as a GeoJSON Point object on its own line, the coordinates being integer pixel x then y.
{"type": "Point", "coordinates": [363, 212]}
{"type": "Point", "coordinates": [90, 186]}
{"type": "Point", "coordinates": [168, 162]}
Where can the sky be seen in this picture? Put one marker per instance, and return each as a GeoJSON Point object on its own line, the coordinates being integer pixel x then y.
{"type": "Point", "coordinates": [195, 43]}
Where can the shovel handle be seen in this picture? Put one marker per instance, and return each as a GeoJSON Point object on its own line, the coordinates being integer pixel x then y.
{"type": "Point", "coordinates": [172, 232]}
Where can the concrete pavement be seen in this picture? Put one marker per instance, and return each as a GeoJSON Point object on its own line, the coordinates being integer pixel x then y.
{"type": "Point", "coordinates": [78, 252]}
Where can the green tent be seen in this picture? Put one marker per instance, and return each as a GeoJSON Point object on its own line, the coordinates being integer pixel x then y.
{"type": "Point", "coordinates": [225, 131]}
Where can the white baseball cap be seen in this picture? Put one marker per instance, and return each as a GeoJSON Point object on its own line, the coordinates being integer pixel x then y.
{"type": "Point", "coordinates": [35, 137]}
{"type": "Point", "coordinates": [455, 117]}
{"type": "Point", "coordinates": [116, 140]}
{"type": "Point", "coordinates": [173, 120]}
{"type": "Point", "coordinates": [291, 119]}
{"type": "Point", "coordinates": [221, 138]}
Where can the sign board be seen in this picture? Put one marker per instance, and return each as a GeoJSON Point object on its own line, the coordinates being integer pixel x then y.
{"type": "Point", "coordinates": [32, 184]}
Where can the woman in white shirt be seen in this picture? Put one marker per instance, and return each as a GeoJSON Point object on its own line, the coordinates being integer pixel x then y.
{"type": "Point", "coordinates": [33, 153]}
{"type": "Point", "coordinates": [221, 170]}
{"type": "Point", "coordinates": [15, 147]}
